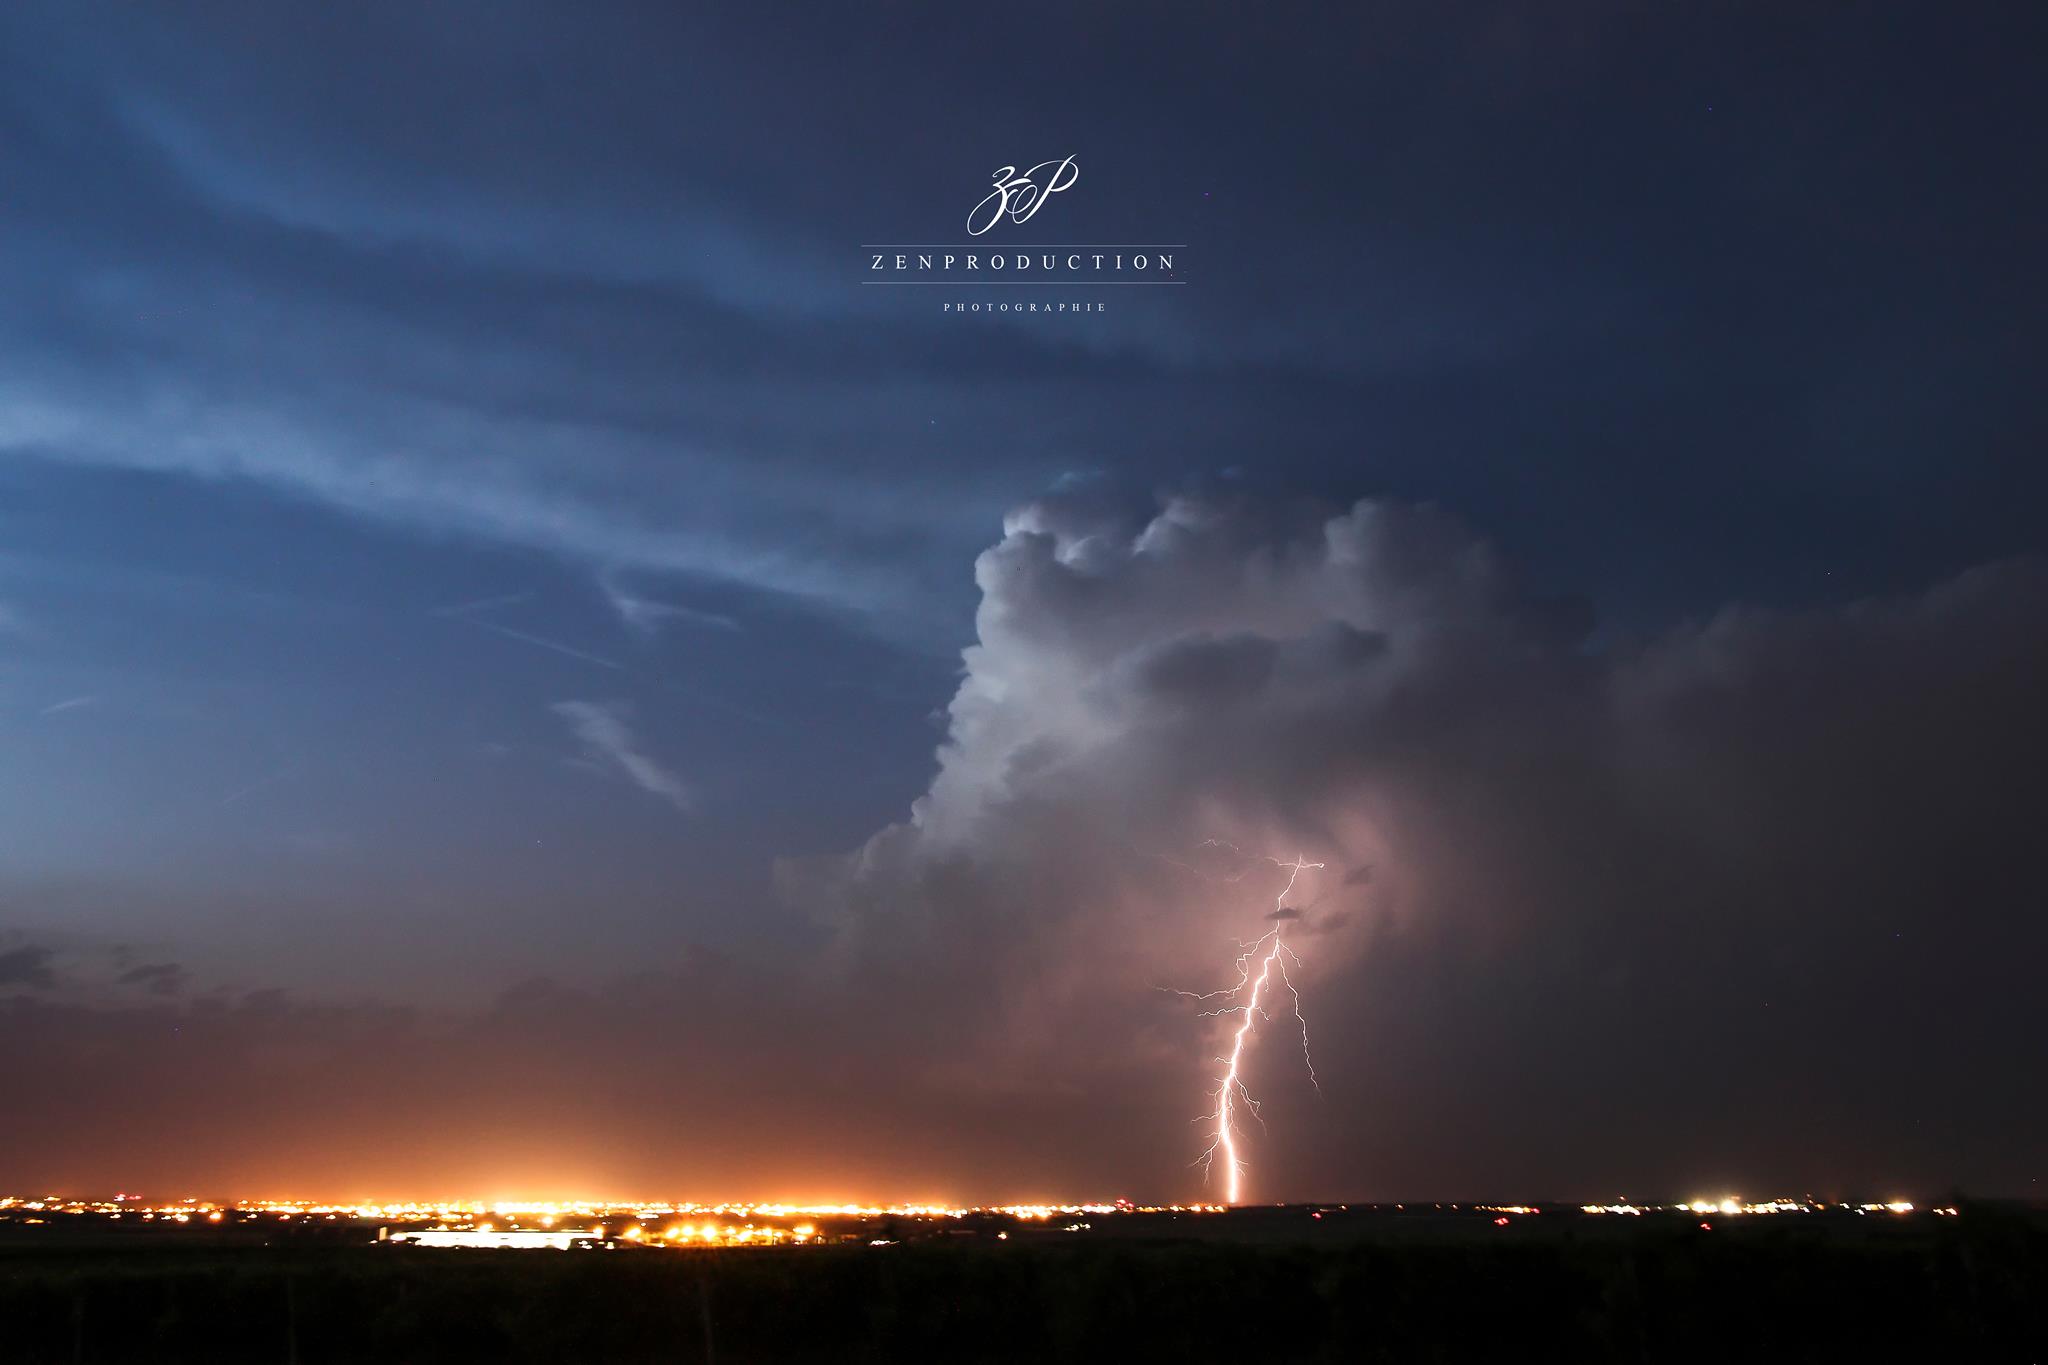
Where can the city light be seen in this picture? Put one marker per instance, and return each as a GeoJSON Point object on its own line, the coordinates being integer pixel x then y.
{"type": "Point", "coordinates": [1730, 1206]}
{"type": "Point", "coordinates": [671, 1226]}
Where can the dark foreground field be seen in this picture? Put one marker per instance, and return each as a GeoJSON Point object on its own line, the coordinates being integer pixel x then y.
{"type": "Point", "coordinates": [1968, 1288]}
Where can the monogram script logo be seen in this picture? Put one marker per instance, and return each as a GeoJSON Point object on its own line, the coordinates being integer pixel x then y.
{"type": "Point", "coordinates": [1017, 197]}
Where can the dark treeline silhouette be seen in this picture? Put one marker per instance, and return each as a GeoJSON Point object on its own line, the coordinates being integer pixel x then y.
{"type": "Point", "coordinates": [1970, 1288]}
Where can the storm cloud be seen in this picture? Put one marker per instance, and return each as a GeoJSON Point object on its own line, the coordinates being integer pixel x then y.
{"type": "Point", "coordinates": [1740, 881]}
{"type": "Point", "coordinates": [1612, 914]}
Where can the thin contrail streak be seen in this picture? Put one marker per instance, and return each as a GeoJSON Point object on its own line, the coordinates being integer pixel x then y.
{"type": "Point", "coordinates": [258, 785]}
{"type": "Point", "coordinates": [541, 642]}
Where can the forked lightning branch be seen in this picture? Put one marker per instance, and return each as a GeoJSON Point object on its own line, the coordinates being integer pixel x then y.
{"type": "Point", "coordinates": [1249, 999]}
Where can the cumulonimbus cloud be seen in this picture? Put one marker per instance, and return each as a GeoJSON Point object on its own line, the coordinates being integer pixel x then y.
{"type": "Point", "coordinates": [1760, 848]}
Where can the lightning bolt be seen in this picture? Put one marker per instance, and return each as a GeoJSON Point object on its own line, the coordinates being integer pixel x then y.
{"type": "Point", "coordinates": [1253, 986]}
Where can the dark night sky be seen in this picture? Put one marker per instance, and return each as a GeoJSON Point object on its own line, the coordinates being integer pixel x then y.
{"type": "Point", "coordinates": [483, 588]}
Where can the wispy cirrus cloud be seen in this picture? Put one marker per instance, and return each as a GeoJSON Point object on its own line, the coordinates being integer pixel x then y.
{"type": "Point", "coordinates": [471, 613]}
{"type": "Point", "coordinates": [647, 616]}
{"type": "Point", "coordinates": [605, 730]}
